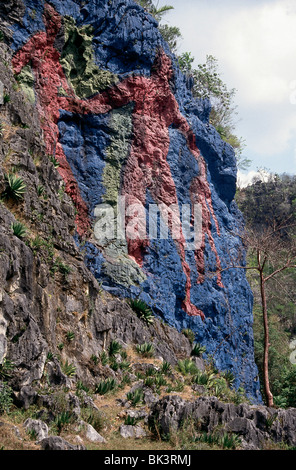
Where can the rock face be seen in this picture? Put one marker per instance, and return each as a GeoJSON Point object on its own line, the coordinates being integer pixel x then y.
{"type": "Point", "coordinates": [147, 178]}
{"type": "Point", "coordinates": [255, 426]}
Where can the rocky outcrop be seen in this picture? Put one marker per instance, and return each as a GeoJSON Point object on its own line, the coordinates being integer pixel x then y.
{"type": "Point", "coordinates": [99, 113]}
{"type": "Point", "coordinates": [256, 426]}
{"type": "Point", "coordinates": [118, 120]}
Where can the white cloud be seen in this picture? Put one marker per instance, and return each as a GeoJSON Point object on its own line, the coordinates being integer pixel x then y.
{"type": "Point", "coordinates": [255, 44]}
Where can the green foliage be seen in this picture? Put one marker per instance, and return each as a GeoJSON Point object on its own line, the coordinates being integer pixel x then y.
{"type": "Point", "coordinates": [130, 420]}
{"type": "Point", "coordinates": [166, 368]}
{"type": "Point", "coordinates": [40, 190]}
{"type": "Point", "coordinates": [136, 397]}
{"type": "Point", "coordinates": [6, 369]}
{"type": "Point", "coordinates": [186, 366]}
{"type": "Point", "coordinates": [204, 378]}
{"type": "Point", "coordinates": [142, 310]}
{"type": "Point", "coordinates": [70, 335]}
{"type": "Point", "coordinates": [15, 187]}
{"type": "Point", "coordinates": [68, 368]}
{"type": "Point", "coordinates": [54, 161]}
{"type": "Point", "coordinates": [59, 265]}
{"type": "Point", "coordinates": [5, 398]}
{"type": "Point", "coordinates": [114, 348]}
{"type": "Point", "coordinates": [207, 84]}
{"type": "Point", "coordinates": [1, 36]}
{"type": "Point", "coordinates": [6, 99]}
{"type": "Point", "coordinates": [19, 229]}
{"type": "Point", "coordinates": [104, 358]}
{"type": "Point", "coordinates": [105, 386]}
{"type": "Point", "coordinates": [189, 334]}
{"type": "Point", "coordinates": [226, 440]}
{"type": "Point", "coordinates": [93, 417]}
{"type": "Point", "coordinates": [198, 350]}
{"type": "Point", "coordinates": [285, 387]}
{"type": "Point", "coordinates": [145, 349]}
{"type": "Point", "coordinates": [63, 419]}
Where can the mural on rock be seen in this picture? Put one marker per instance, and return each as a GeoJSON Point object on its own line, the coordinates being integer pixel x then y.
{"type": "Point", "coordinates": [133, 144]}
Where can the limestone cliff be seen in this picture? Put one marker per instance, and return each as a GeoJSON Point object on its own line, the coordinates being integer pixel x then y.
{"type": "Point", "coordinates": [102, 119]}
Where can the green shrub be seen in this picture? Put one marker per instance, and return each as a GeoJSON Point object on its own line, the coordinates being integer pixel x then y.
{"type": "Point", "coordinates": [105, 386]}
{"type": "Point", "coordinates": [6, 99]}
{"type": "Point", "coordinates": [5, 398]}
{"type": "Point", "coordinates": [204, 378]}
{"type": "Point", "coordinates": [40, 190]}
{"type": "Point", "coordinates": [166, 368]}
{"type": "Point", "coordinates": [142, 310]}
{"type": "Point", "coordinates": [63, 419]}
{"type": "Point", "coordinates": [198, 350]}
{"type": "Point", "coordinates": [93, 417]}
{"type": "Point", "coordinates": [145, 349]}
{"type": "Point", "coordinates": [54, 161]}
{"type": "Point", "coordinates": [19, 229]}
{"type": "Point", "coordinates": [104, 358]}
{"type": "Point", "coordinates": [15, 187]}
{"type": "Point", "coordinates": [136, 397]}
{"type": "Point", "coordinates": [6, 369]}
{"type": "Point", "coordinates": [130, 420]}
{"type": "Point", "coordinates": [114, 348]}
{"type": "Point", "coordinates": [70, 335]}
{"type": "Point", "coordinates": [186, 366]}
{"type": "Point", "coordinates": [68, 369]}
{"type": "Point", "coordinates": [189, 334]}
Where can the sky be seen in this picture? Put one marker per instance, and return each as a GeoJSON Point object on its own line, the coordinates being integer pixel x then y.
{"type": "Point", "coordinates": [254, 42]}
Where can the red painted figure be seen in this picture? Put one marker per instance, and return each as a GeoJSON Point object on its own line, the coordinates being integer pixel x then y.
{"type": "Point", "coordinates": [155, 110]}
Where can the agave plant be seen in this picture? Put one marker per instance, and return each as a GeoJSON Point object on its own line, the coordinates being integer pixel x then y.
{"type": "Point", "coordinates": [142, 310]}
{"type": "Point", "coordinates": [114, 348]}
{"type": "Point", "coordinates": [68, 369]}
{"type": "Point", "coordinates": [145, 349]}
{"type": "Point", "coordinates": [198, 350]}
{"type": "Point", "coordinates": [15, 187]}
{"type": "Point", "coordinates": [19, 229]}
{"type": "Point", "coordinates": [105, 386]}
{"type": "Point", "coordinates": [186, 366]}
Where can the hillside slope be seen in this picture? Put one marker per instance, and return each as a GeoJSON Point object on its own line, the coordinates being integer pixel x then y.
{"type": "Point", "coordinates": [96, 109]}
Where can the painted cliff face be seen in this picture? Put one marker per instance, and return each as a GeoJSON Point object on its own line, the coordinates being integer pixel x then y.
{"type": "Point", "coordinates": [151, 181]}
{"type": "Point", "coordinates": [155, 109]}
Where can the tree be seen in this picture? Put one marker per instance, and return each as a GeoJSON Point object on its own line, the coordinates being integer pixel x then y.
{"type": "Point", "coordinates": [207, 84]}
{"type": "Point", "coordinates": [171, 34]}
{"type": "Point", "coordinates": [269, 255]}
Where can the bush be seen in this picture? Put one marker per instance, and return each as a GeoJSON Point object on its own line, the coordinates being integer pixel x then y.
{"type": "Point", "coordinates": [15, 187]}
{"type": "Point", "coordinates": [5, 398]}
{"type": "Point", "coordinates": [68, 369]}
{"type": "Point", "coordinates": [63, 419]}
{"type": "Point", "coordinates": [105, 386]}
{"type": "Point", "coordinates": [19, 229]}
{"type": "Point", "coordinates": [136, 397]}
{"type": "Point", "coordinates": [142, 310]}
{"type": "Point", "coordinates": [186, 366]}
{"type": "Point", "coordinates": [189, 334]}
{"type": "Point", "coordinates": [114, 348]}
{"type": "Point", "coordinates": [6, 369]}
{"type": "Point", "coordinates": [198, 350]}
{"type": "Point", "coordinates": [145, 349]}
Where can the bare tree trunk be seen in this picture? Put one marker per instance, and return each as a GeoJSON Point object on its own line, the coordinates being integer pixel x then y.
{"type": "Point", "coordinates": [268, 394]}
